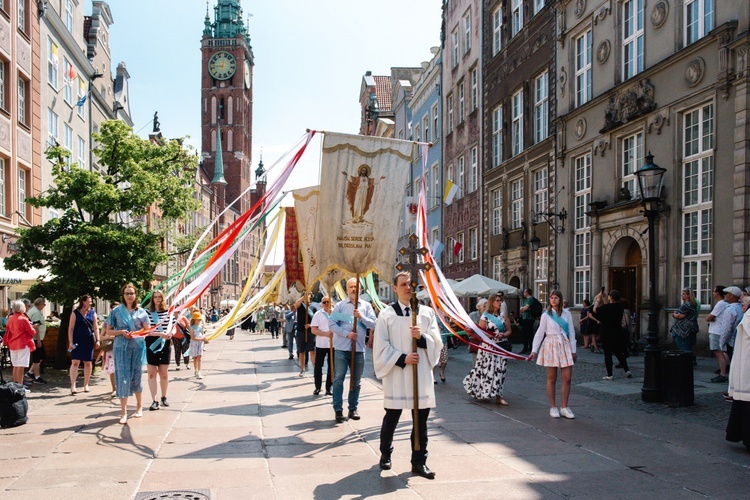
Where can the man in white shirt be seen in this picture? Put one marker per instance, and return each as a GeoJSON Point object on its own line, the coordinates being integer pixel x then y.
{"type": "Point", "coordinates": [322, 331]}
{"type": "Point", "coordinates": [36, 317]}
{"type": "Point", "coordinates": [716, 322]}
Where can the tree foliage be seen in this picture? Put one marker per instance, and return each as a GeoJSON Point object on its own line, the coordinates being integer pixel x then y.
{"type": "Point", "coordinates": [88, 249]}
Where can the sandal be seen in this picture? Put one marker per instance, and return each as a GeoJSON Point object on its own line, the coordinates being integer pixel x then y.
{"type": "Point", "coordinates": [123, 419]}
{"type": "Point", "coordinates": [597, 351]}
{"type": "Point", "coordinates": [501, 402]}
{"type": "Point", "coordinates": [73, 392]}
{"type": "Point", "coordinates": [138, 413]}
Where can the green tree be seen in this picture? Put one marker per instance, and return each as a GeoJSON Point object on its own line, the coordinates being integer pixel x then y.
{"type": "Point", "coordinates": [88, 250]}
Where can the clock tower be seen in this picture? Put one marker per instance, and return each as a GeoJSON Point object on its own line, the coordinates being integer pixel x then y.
{"type": "Point", "coordinates": [226, 129]}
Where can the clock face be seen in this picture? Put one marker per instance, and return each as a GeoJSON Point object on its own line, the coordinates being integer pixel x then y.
{"type": "Point", "coordinates": [248, 75]}
{"type": "Point", "coordinates": [222, 65]}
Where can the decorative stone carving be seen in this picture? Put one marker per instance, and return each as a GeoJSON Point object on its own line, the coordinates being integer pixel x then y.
{"type": "Point", "coordinates": [603, 13]}
{"type": "Point", "coordinates": [602, 52]}
{"type": "Point", "coordinates": [694, 72]}
{"type": "Point", "coordinates": [580, 8]}
{"type": "Point", "coordinates": [743, 53]}
{"type": "Point", "coordinates": [23, 54]}
{"type": "Point", "coordinates": [660, 119]}
{"type": "Point", "coordinates": [629, 103]}
{"type": "Point", "coordinates": [5, 36]}
{"type": "Point", "coordinates": [659, 14]}
{"type": "Point", "coordinates": [5, 133]}
{"type": "Point", "coordinates": [23, 141]}
{"type": "Point", "coordinates": [580, 128]}
{"type": "Point", "coordinates": [601, 146]}
{"type": "Point", "coordinates": [563, 80]}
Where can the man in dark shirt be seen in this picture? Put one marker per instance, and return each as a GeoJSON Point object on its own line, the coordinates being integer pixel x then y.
{"type": "Point", "coordinates": [305, 338]}
{"type": "Point", "coordinates": [610, 330]}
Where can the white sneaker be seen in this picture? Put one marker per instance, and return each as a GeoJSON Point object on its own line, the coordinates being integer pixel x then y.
{"type": "Point", "coordinates": [565, 412]}
{"type": "Point", "coordinates": [200, 376]}
{"type": "Point", "coordinates": [628, 374]}
{"type": "Point", "coordinates": [609, 377]}
{"type": "Point", "coordinates": [554, 412]}
{"type": "Point", "coordinates": [302, 373]}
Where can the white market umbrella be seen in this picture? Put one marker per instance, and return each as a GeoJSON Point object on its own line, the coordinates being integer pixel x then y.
{"type": "Point", "coordinates": [424, 294]}
{"type": "Point", "coordinates": [479, 285]}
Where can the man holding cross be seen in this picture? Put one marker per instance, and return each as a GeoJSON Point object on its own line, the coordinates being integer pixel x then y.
{"type": "Point", "coordinates": [349, 341]}
{"type": "Point", "coordinates": [393, 360]}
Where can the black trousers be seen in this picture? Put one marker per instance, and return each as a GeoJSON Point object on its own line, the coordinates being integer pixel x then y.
{"type": "Point", "coordinates": [390, 421]}
{"type": "Point", "coordinates": [527, 328]}
{"type": "Point", "coordinates": [320, 356]}
{"type": "Point", "coordinates": [614, 346]}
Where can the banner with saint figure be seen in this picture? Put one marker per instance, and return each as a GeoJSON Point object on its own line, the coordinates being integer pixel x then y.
{"type": "Point", "coordinates": [361, 194]}
{"type": "Point", "coordinates": [292, 255]}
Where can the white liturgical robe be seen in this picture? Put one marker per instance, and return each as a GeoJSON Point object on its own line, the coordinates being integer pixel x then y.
{"type": "Point", "coordinates": [392, 340]}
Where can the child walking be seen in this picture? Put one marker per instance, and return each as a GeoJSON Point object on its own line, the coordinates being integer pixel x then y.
{"type": "Point", "coordinates": [196, 342]}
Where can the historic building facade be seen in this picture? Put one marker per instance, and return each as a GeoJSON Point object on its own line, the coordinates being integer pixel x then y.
{"type": "Point", "coordinates": [519, 159]}
{"type": "Point", "coordinates": [670, 78]}
{"type": "Point", "coordinates": [227, 112]}
{"type": "Point", "coordinates": [462, 130]}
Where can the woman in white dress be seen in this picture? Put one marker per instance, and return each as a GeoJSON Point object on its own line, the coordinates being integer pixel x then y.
{"type": "Point", "coordinates": [555, 347]}
{"type": "Point", "coordinates": [487, 378]}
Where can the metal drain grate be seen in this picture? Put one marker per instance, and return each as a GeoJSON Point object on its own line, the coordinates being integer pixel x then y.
{"type": "Point", "coordinates": [183, 494]}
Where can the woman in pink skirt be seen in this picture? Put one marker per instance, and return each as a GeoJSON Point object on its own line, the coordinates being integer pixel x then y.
{"type": "Point", "coordinates": [555, 347]}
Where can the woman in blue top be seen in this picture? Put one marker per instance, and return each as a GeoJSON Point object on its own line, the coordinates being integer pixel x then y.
{"type": "Point", "coordinates": [555, 343]}
{"type": "Point", "coordinates": [129, 351]}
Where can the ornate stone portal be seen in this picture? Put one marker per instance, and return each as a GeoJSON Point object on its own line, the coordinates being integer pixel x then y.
{"type": "Point", "coordinates": [629, 103]}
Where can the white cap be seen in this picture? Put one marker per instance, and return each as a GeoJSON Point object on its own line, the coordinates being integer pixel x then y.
{"type": "Point", "coordinates": [733, 290]}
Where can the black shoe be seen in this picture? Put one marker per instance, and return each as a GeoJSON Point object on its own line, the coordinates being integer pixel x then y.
{"type": "Point", "coordinates": [291, 357]}
{"type": "Point", "coordinates": [354, 415]}
{"type": "Point", "coordinates": [316, 392]}
{"type": "Point", "coordinates": [719, 379]}
{"type": "Point", "coordinates": [39, 380]}
{"type": "Point", "coordinates": [423, 470]}
{"type": "Point", "coordinates": [340, 418]}
{"type": "Point", "coordinates": [329, 393]}
{"type": "Point", "coordinates": [30, 375]}
{"type": "Point", "coordinates": [154, 406]}
{"type": "Point", "coordinates": [385, 462]}
{"type": "Point", "coordinates": [164, 402]}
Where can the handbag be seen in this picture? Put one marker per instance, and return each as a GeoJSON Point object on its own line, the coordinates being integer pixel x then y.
{"type": "Point", "coordinates": [505, 344]}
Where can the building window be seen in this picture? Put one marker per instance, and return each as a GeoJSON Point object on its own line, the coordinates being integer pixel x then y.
{"type": "Point", "coordinates": [69, 15]}
{"type": "Point", "coordinates": [426, 128]}
{"type": "Point", "coordinates": [583, 68]}
{"type": "Point", "coordinates": [541, 107]}
{"type": "Point", "coordinates": [437, 194]}
{"type": "Point", "coordinates": [82, 96]}
{"type": "Point", "coordinates": [473, 244]}
{"type": "Point", "coordinates": [3, 83]}
{"type": "Point", "coordinates": [82, 153]}
{"type": "Point", "coordinates": [460, 241]}
{"type": "Point", "coordinates": [435, 235]}
{"type": "Point", "coordinates": [496, 195]}
{"type": "Point", "coordinates": [516, 17]}
{"type": "Point", "coordinates": [581, 228]}
{"type": "Point", "coordinates": [697, 211]}
{"type": "Point", "coordinates": [540, 274]}
{"type": "Point", "coordinates": [22, 14]}
{"type": "Point", "coordinates": [541, 195]}
{"type": "Point", "coordinates": [68, 77]}
{"type": "Point", "coordinates": [451, 250]}
{"type": "Point", "coordinates": [497, 267]}
{"type": "Point", "coordinates": [467, 32]}
{"type": "Point", "coordinates": [473, 168]}
{"type": "Point", "coordinates": [632, 38]}
{"type": "Point", "coordinates": [51, 128]}
{"type": "Point", "coordinates": [497, 136]}
{"type": "Point", "coordinates": [435, 121]}
{"type": "Point", "coordinates": [516, 204]}
{"type": "Point", "coordinates": [516, 131]}
{"type": "Point", "coordinates": [3, 203]}
{"type": "Point", "coordinates": [460, 170]}
{"type": "Point", "coordinates": [454, 37]}
{"type": "Point", "coordinates": [450, 112]}
{"type": "Point", "coordinates": [632, 152]}
{"type": "Point", "coordinates": [417, 134]}
{"type": "Point", "coordinates": [23, 105]}
{"type": "Point", "coordinates": [538, 5]}
{"type": "Point", "coordinates": [461, 101]}
{"type": "Point", "coordinates": [474, 89]}
{"type": "Point", "coordinates": [68, 142]}
{"type": "Point", "coordinates": [52, 62]}
{"type": "Point", "coordinates": [699, 19]}
{"type": "Point", "coordinates": [497, 31]}
{"type": "Point", "coordinates": [22, 173]}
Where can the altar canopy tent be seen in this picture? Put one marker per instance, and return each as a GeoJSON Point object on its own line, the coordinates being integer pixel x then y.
{"type": "Point", "coordinates": [424, 294]}
{"type": "Point", "coordinates": [478, 285]}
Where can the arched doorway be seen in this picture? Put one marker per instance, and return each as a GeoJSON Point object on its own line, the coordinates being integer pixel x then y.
{"type": "Point", "coordinates": [515, 304]}
{"type": "Point", "coordinates": [625, 264]}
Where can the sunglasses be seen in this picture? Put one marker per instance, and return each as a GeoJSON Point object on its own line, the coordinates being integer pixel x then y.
{"type": "Point", "coordinates": [325, 302]}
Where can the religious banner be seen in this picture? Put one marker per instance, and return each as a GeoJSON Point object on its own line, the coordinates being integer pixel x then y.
{"type": "Point", "coordinates": [360, 203]}
{"type": "Point", "coordinates": [292, 255]}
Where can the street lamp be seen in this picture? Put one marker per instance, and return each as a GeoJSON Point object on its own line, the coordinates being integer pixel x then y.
{"type": "Point", "coordinates": [650, 178]}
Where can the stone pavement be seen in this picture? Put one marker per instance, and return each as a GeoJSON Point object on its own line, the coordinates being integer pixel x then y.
{"type": "Point", "coordinates": [252, 429]}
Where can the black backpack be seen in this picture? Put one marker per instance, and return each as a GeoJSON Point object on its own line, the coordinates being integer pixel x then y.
{"type": "Point", "coordinates": [536, 308]}
{"type": "Point", "coordinates": [13, 404]}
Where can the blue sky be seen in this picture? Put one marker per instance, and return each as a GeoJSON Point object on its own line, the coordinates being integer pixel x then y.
{"type": "Point", "coordinates": [310, 56]}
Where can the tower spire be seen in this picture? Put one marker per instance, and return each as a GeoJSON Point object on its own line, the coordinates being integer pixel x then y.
{"type": "Point", "coordinates": [219, 164]}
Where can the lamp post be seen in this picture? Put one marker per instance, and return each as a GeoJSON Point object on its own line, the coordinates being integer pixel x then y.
{"type": "Point", "coordinates": [650, 178]}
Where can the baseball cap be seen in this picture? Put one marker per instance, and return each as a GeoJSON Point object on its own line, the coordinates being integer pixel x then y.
{"type": "Point", "coordinates": [197, 315]}
{"type": "Point", "coordinates": [733, 290]}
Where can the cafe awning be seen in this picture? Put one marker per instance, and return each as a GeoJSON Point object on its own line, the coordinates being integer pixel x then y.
{"type": "Point", "coordinates": [22, 278]}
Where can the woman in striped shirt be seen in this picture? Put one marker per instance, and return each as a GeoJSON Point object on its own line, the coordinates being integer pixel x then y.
{"type": "Point", "coordinates": [158, 349]}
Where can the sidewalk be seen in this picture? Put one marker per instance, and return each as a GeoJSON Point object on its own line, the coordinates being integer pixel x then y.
{"type": "Point", "coordinates": [252, 429]}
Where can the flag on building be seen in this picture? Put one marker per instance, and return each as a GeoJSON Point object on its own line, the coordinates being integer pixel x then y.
{"type": "Point", "coordinates": [451, 190]}
{"type": "Point", "coordinates": [54, 54]}
{"type": "Point", "coordinates": [437, 249]}
{"type": "Point", "coordinates": [71, 73]}
{"type": "Point", "coordinates": [457, 248]}
{"type": "Point", "coordinates": [358, 221]}
{"type": "Point", "coordinates": [82, 94]}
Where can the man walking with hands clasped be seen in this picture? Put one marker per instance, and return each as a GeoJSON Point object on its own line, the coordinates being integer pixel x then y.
{"type": "Point", "coordinates": [393, 360]}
